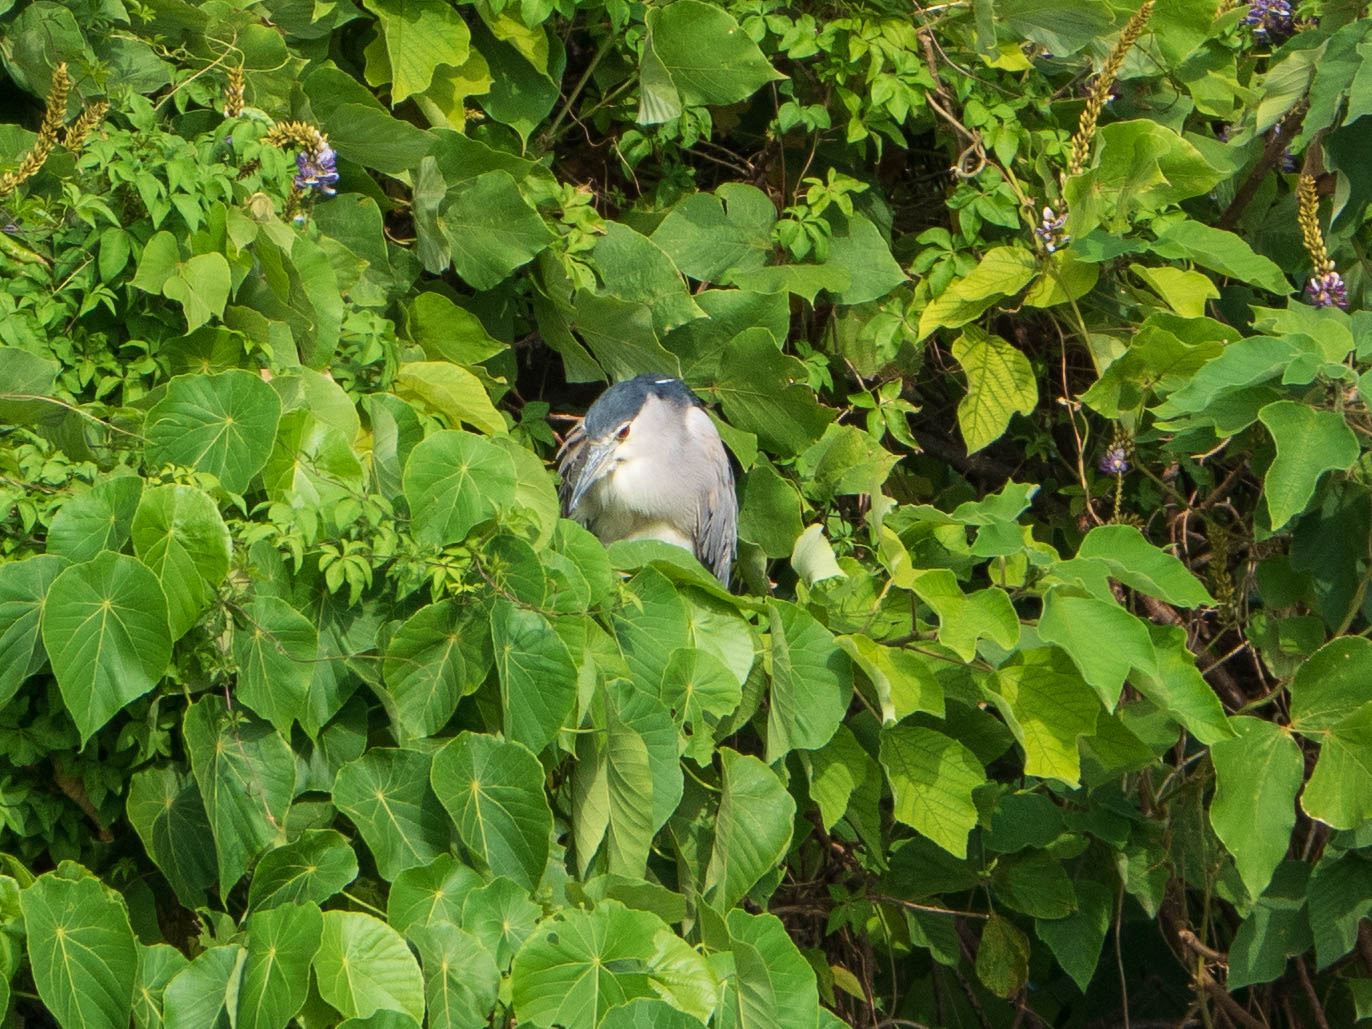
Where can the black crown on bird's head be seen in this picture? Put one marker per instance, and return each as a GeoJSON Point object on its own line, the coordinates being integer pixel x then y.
{"type": "Point", "coordinates": [622, 401]}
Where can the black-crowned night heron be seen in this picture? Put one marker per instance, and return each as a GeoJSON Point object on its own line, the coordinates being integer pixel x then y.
{"type": "Point", "coordinates": [647, 463]}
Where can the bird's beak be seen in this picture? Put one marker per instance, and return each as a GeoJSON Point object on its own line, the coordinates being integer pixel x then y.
{"type": "Point", "coordinates": [593, 467]}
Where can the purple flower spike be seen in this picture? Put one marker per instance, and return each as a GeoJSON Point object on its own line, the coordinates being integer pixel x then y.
{"type": "Point", "coordinates": [317, 170]}
{"type": "Point", "coordinates": [1270, 19]}
{"type": "Point", "coordinates": [1049, 230]}
{"type": "Point", "coordinates": [1114, 461]}
{"type": "Point", "coordinates": [1327, 290]}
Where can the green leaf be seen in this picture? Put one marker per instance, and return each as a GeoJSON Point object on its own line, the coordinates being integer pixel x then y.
{"type": "Point", "coordinates": [1330, 685]}
{"type": "Point", "coordinates": [1222, 252]}
{"type": "Point", "coordinates": [1340, 897]}
{"type": "Point", "coordinates": [763, 391]}
{"type": "Point", "coordinates": [492, 230]}
{"type": "Point", "coordinates": [1276, 929]}
{"type": "Point", "coordinates": [1309, 443]}
{"type": "Point", "coordinates": [157, 965]}
{"type": "Point", "coordinates": [364, 966]}
{"type": "Point", "coordinates": [634, 268]}
{"type": "Point", "coordinates": [1003, 271]}
{"type": "Point", "coordinates": [282, 941]}
{"type": "Point", "coordinates": [205, 992]}
{"type": "Point", "coordinates": [246, 774]}
{"type": "Point", "coordinates": [430, 894]}
{"type": "Point", "coordinates": [165, 809]}
{"type": "Point", "coordinates": [494, 792]}
{"type": "Point", "coordinates": [1103, 639]}
{"type": "Point", "coordinates": [858, 247]}
{"type": "Point", "coordinates": [275, 647]}
{"type": "Point", "coordinates": [460, 976]}
{"type": "Point", "coordinates": [1142, 167]}
{"type": "Point", "coordinates": [709, 235]}
{"type": "Point", "coordinates": [1139, 565]}
{"type": "Point", "coordinates": [653, 624]}
{"type": "Point", "coordinates": [310, 869]}
{"type": "Point", "coordinates": [99, 519]}
{"type": "Point", "coordinates": [312, 464]}
{"type": "Point", "coordinates": [1186, 292]}
{"type": "Point", "coordinates": [1002, 957]}
{"type": "Point", "coordinates": [424, 669]}
{"type": "Point", "coordinates": [642, 1013]}
{"type": "Point", "coordinates": [177, 532]}
{"type": "Point", "coordinates": [752, 830]}
{"type": "Point", "coordinates": [698, 691]}
{"type": "Point", "coordinates": [965, 619]}
{"type": "Point", "coordinates": [579, 964]}
{"type": "Point", "coordinates": [451, 391]}
{"type": "Point", "coordinates": [773, 986]}
{"type": "Point", "coordinates": [1049, 709]}
{"type": "Point", "coordinates": [932, 778]}
{"type": "Point", "coordinates": [707, 57]}
{"type": "Point", "coordinates": [999, 383]}
{"type": "Point", "coordinates": [502, 916]}
{"type": "Point", "coordinates": [82, 951]}
{"type": "Point", "coordinates": [1076, 939]}
{"type": "Point", "coordinates": [201, 287]}
{"type": "Point", "coordinates": [105, 630]}
{"type": "Point", "coordinates": [386, 793]}
{"type": "Point", "coordinates": [811, 682]}
{"type": "Point", "coordinates": [1339, 792]}
{"type": "Point", "coordinates": [419, 38]}
{"type": "Point", "coordinates": [612, 790]}
{"type": "Point", "coordinates": [27, 376]}
{"type": "Point", "coordinates": [1257, 775]}
{"type": "Point", "coordinates": [1035, 883]}
{"type": "Point", "coordinates": [453, 481]}
{"type": "Point", "coordinates": [622, 336]}
{"type": "Point", "coordinates": [837, 771]}
{"type": "Point", "coordinates": [24, 588]}
{"type": "Point", "coordinates": [223, 424]}
{"type": "Point", "coordinates": [538, 679]}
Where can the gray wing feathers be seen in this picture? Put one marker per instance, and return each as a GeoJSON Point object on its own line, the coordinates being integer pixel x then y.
{"type": "Point", "coordinates": [717, 537]}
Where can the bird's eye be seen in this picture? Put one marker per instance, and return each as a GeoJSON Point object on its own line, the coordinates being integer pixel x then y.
{"type": "Point", "coordinates": [623, 432]}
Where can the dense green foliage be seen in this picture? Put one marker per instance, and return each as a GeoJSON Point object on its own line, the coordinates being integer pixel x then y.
{"type": "Point", "coordinates": [1042, 694]}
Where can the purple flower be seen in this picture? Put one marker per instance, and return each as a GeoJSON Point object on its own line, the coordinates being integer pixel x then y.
{"type": "Point", "coordinates": [317, 170]}
{"type": "Point", "coordinates": [1327, 290]}
{"type": "Point", "coordinates": [1049, 230]}
{"type": "Point", "coordinates": [1114, 461]}
{"type": "Point", "coordinates": [1270, 19]}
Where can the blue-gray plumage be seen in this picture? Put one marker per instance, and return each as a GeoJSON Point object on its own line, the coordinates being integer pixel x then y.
{"type": "Point", "coordinates": [647, 463]}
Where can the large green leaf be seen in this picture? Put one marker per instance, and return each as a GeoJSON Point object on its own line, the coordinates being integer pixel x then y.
{"type": "Point", "coordinates": [223, 424]}
{"type": "Point", "coordinates": [1049, 709]}
{"type": "Point", "coordinates": [105, 629]}
{"type": "Point", "coordinates": [81, 949]}
{"type": "Point", "coordinates": [275, 647]}
{"type": "Point", "coordinates": [964, 619]}
{"type": "Point", "coordinates": [1138, 564]}
{"type": "Point", "coordinates": [386, 793]}
{"type": "Point", "coordinates": [419, 38]}
{"type": "Point", "coordinates": [1309, 443]}
{"type": "Point", "coordinates": [492, 230]}
{"type": "Point", "coordinates": [424, 669]}
{"type": "Point", "coordinates": [177, 532]}
{"type": "Point", "coordinates": [453, 481]}
{"type": "Point", "coordinates": [762, 391]}
{"type": "Point", "coordinates": [579, 964]}
{"type": "Point", "coordinates": [157, 965]}
{"type": "Point", "coordinates": [99, 519]}
{"type": "Point", "coordinates": [1339, 792]}
{"type": "Point", "coordinates": [430, 894]}
{"type": "Point", "coordinates": [538, 679]}
{"type": "Point", "coordinates": [205, 993]}
{"type": "Point", "coordinates": [449, 390]}
{"type": "Point", "coordinates": [633, 267]}
{"type": "Point", "coordinates": [246, 774]}
{"type": "Point", "coordinates": [999, 383]}
{"type": "Point", "coordinates": [282, 942]}
{"type": "Point", "coordinates": [752, 830]}
{"type": "Point", "coordinates": [932, 777]}
{"type": "Point", "coordinates": [364, 966]}
{"type": "Point", "coordinates": [708, 235]}
{"type": "Point", "coordinates": [23, 590]}
{"type": "Point", "coordinates": [1340, 896]}
{"type": "Point", "coordinates": [1257, 776]}
{"type": "Point", "coordinates": [165, 809]}
{"type": "Point", "coordinates": [812, 682]}
{"type": "Point", "coordinates": [773, 986]}
{"type": "Point", "coordinates": [1276, 929]}
{"type": "Point", "coordinates": [1103, 639]}
{"type": "Point", "coordinates": [494, 792]}
{"type": "Point", "coordinates": [502, 916]}
{"type": "Point", "coordinates": [460, 976]}
{"type": "Point", "coordinates": [310, 869]}
{"type": "Point", "coordinates": [707, 57]}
